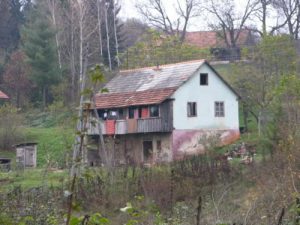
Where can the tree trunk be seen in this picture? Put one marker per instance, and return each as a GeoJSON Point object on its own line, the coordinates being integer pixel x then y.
{"type": "Point", "coordinates": [51, 4]}
{"type": "Point", "coordinates": [72, 60]}
{"type": "Point", "coordinates": [44, 90]}
{"type": "Point", "coordinates": [116, 36]}
{"type": "Point", "coordinates": [107, 37]}
{"type": "Point", "coordinates": [99, 26]}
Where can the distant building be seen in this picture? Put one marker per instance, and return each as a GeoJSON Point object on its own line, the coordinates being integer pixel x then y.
{"type": "Point", "coordinates": [3, 95]}
{"type": "Point", "coordinates": [212, 40]}
{"type": "Point", "coordinates": [161, 114]}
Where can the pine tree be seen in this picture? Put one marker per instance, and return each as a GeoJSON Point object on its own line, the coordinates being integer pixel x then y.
{"type": "Point", "coordinates": [11, 18]}
{"type": "Point", "coordinates": [39, 47]}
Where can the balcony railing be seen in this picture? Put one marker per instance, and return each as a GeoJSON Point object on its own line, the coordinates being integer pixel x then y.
{"type": "Point", "coordinates": [130, 126]}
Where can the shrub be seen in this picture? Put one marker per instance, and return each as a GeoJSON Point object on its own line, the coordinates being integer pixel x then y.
{"type": "Point", "coordinates": [10, 123]}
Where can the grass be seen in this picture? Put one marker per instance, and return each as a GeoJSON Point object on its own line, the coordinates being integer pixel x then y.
{"type": "Point", "coordinates": [31, 178]}
{"type": "Point", "coordinates": [53, 144]}
{"type": "Point", "coordinates": [225, 70]}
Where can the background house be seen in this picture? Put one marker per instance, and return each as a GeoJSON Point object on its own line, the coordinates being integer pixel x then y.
{"type": "Point", "coordinates": [164, 113]}
{"type": "Point", "coordinates": [3, 96]}
{"type": "Point", "coordinates": [214, 41]}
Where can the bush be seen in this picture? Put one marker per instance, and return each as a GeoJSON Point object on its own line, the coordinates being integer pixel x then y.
{"type": "Point", "coordinates": [10, 123]}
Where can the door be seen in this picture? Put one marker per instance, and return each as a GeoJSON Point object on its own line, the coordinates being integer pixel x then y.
{"type": "Point", "coordinates": [148, 151]}
{"type": "Point", "coordinates": [29, 156]}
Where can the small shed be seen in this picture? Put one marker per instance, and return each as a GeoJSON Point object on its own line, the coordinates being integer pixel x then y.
{"type": "Point", "coordinates": [26, 154]}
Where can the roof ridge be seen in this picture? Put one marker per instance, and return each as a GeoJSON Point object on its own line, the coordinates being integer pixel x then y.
{"type": "Point", "coordinates": [164, 65]}
{"type": "Point", "coordinates": [129, 92]}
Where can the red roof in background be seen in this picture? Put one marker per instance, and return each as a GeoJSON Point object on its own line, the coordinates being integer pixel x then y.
{"type": "Point", "coordinates": [119, 100]}
{"type": "Point", "coordinates": [3, 96]}
{"type": "Point", "coordinates": [211, 39]}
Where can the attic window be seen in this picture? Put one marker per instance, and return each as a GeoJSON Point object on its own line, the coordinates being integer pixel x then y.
{"type": "Point", "coordinates": [219, 109]}
{"type": "Point", "coordinates": [203, 79]}
{"type": "Point", "coordinates": [192, 109]}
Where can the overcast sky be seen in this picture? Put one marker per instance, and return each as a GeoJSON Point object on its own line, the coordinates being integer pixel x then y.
{"type": "Point", "coordinates": [128, 11]}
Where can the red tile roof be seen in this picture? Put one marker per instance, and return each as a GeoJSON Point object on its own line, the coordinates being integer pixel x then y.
{"type": "Point", "coordinates": [211, 39]}
{"type": "Point", "coordinates": [3, 96]}
{"type": "Point", "coordinates": [119, 100]}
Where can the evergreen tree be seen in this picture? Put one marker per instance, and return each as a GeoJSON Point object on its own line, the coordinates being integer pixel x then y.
{"type": "Point", "coordinates": [39, 47]}
{"type": "Point", "coordinates": [11, 18]}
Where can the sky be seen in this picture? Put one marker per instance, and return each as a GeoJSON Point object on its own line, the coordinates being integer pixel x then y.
{"type": "Point", "coordinates": [128, 10]}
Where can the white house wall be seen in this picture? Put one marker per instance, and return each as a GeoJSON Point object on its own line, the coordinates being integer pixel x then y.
{"type": "Point", "coordinates": [192, 134]}
{"type": "Point", "coordinates": [205, 96]}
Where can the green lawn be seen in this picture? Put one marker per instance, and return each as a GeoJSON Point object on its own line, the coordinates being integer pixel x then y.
{"type": "Point", "coordinates": [31, 178]}
{"type": "Point", "coordinates": [53, 144]}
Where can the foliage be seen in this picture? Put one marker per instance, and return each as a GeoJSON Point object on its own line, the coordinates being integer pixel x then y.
{"type": "Point", "coordinates": [10, 131]}
{"type": "Point", "coordinates": [256, 79]}
{"type": "Point", "coordinates": [157, 49]}
{"type": "Point", "coordinates": [11, 13]}
{"type": "Point", "coordinates": [54, 145]}
{"type": "Point", "coordinates": [39, 47]}
{"type": "Point", "coordinates": [16, 77]}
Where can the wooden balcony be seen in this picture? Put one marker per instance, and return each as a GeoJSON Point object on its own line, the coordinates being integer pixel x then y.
{"type": "Point", "coordinates": [131, 126]}
{"type": "Point", "coordinates": [93, 127]}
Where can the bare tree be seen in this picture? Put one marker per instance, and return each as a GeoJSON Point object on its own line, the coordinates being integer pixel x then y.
{"type": "Point", "coordinates": [99, 18]}
{"type": "Point", "coordinates": [290, 11]}
{"type": "Point", "coordinates": [107, 35]}
{"type": "Point", "coordinates": [115, 34]}
{"type": "Point", "coordinates": [262, 13]}
{"type": "Point", "coordinates": [155, 14]}
{"type": "Point", "coordinates": [229, 22]}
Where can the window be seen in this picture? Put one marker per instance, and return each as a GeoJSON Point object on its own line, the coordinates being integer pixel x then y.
{"type": "Point", "coordinates": [131, 112]}
{"type": "Point", "coordinates": [121, 114]}
{"type": "Point", "coordinates": [203, 79]}
{"type": "Point", "coordinates": [219, 109]}
{"type": "Point", "coordinates": [140, 112]}
{"type": "Point", "coordinates": [154, 111]}
{"type": "Point", "coordinates": [192, 109]}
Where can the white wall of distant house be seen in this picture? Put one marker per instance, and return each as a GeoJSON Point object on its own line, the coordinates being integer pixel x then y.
{"type": "Point", "coordinates": [205, 96]}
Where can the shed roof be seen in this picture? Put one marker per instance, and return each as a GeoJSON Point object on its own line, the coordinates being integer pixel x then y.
{"type": "Point", "coordinates": [3, 95]}
{"type": "Point", "coordinates": [149, 85]}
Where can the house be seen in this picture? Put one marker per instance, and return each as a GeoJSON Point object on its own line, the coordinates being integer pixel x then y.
{"type": "Point", "coordinates": [3, 95]}
{"type": "Point", "coordinates": [161, 114]}
{"type": "Point", "coordinates": [212, 40]}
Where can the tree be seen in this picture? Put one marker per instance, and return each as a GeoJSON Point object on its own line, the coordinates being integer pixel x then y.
{"type": "Point", "coordinates": [257, 79]}
{"type": "Point", "coordinates": [228, 21]}
{"type": "Point", "coordinates": [290, 11]}
{"type": "Point", "coordinates": [16, 77]}
{"type": "Point", "coordinates": [155, 48]}
{"type": "Point", "coordinates": [11, 17]}
{"type": "Point", "coordinates": [133, 30]}
{"type": "Point", "coordinates": [39, 47]}
{"type": "Point", "coordinates": [155, 13]}
{"type": "Point", "coordinates": [111, 33]}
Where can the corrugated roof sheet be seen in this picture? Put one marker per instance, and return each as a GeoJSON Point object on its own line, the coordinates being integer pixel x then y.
{"type": "Point", "coordinates": [3, 95]}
